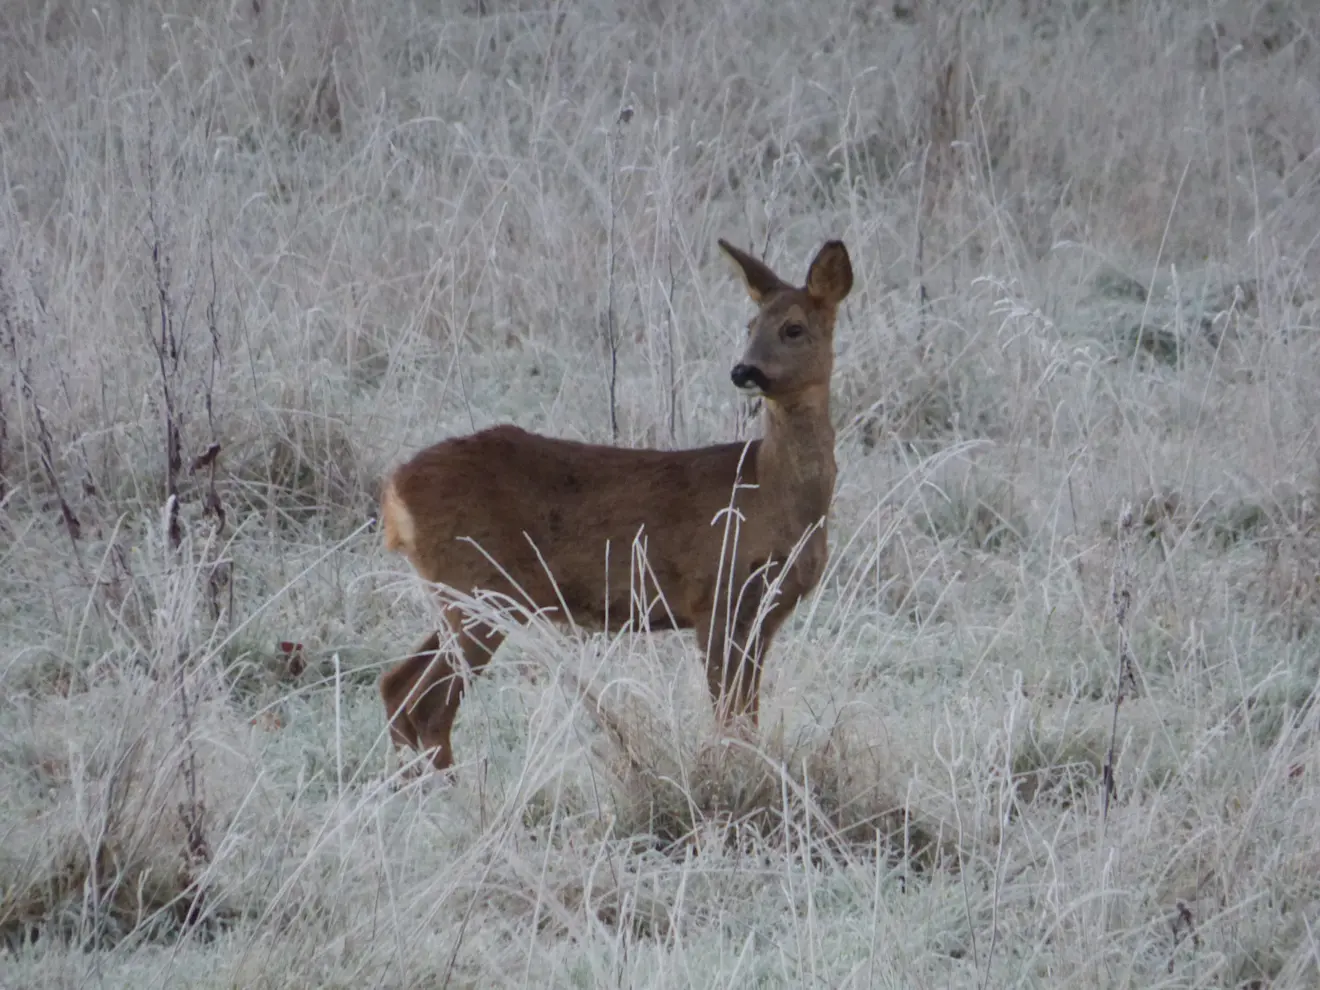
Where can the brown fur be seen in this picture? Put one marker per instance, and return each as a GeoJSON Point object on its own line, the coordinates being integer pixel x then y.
{"type": "Point", "coordinates": [534, 503]}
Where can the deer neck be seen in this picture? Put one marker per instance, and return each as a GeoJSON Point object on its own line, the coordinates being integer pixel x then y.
{"type": "Point", "coordinates": [795, 465]}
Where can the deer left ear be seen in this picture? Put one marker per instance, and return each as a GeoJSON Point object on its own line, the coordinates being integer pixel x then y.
{"type": "Point", "coordinates": [830, 277]}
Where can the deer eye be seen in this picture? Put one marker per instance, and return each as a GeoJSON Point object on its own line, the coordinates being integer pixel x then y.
{"type": "Point", "coordinates": [794, 330]}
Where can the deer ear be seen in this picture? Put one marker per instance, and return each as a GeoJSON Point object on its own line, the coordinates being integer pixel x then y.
{"type": "Point", "coordinates": [761, 281]}
{"type": "Point", "coordinates": [830, 277]}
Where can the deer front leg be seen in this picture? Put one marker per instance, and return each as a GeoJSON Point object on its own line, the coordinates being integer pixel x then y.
{"type": "Point", "coordinates": [734, 661]}
{"type": "Point", "coordinates": [734, 653]}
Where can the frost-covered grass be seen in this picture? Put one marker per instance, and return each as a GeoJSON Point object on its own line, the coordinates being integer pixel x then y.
{"type": "Point", "coordinates": [1076, 396]}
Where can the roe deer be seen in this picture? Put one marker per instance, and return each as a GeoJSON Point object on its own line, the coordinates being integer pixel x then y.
{"type": "Point", "coordinates": [552, 523]}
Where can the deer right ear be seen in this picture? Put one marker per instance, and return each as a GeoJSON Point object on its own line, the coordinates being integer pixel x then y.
{"type": "Point", "coordinates": [761, 281]}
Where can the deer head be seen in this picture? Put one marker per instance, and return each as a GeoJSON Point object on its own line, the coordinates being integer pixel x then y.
{"type": "Point", "coordinates": [790, 343]}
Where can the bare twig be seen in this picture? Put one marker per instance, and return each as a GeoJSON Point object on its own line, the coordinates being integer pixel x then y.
{"type": "Point", "coordinates": [671, 339]}
{"type": "Point", "coordinates": [167, 332]}
{"type": "Point", "coordinates": [1183, 926]}
{"type": "Point", "coordinates": [4, 442]}
{"type": "Point", "coordinates": [1121, 593]}
{"type": "Point", "coordinates": [45, 446]}
{"type": "Point", "coordinates": [14, 324]}
{"type": "Point", "coordinates": [611, 327]}
{"type": "Point", "coordinates": [167, 355]}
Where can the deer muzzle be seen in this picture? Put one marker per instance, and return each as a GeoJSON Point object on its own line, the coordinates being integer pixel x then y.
{"type": "Point", "coordinates": [750, 379]}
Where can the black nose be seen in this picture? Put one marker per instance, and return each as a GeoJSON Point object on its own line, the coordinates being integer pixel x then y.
{"type": "Point", "coordinates": [746, 374]}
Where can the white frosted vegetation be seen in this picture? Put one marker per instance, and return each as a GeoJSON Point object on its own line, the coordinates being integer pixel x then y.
{"type": "Point", "coordinates": [1075, 396]}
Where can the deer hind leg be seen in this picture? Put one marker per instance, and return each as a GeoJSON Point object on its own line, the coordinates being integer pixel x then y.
{"type": "Point", "coordinates": [423, 692]}
{"type": "Point", "coordinates": [397, 690]}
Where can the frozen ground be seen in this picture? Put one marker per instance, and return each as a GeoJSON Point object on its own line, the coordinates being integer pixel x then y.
{"type": "Point", "coordinates": [1076, 396]}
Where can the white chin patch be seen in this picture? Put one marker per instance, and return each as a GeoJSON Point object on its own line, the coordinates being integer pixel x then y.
{"type": "Point", "coordinates": [751, 390]}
